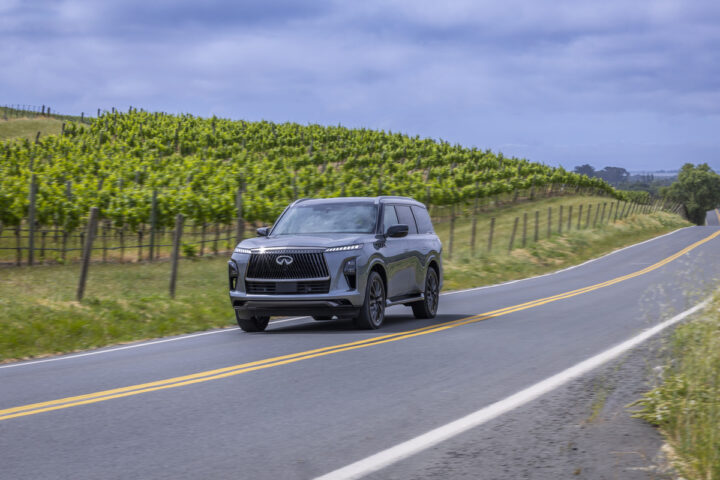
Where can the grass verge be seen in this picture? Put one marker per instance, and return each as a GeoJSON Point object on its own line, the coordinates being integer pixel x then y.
{"type": "Point", "coordinates": [686, 406]}
{"type": "Point", "coordinates": [126, 302]}
{"type": "Point", "coordinates": [28, 127]}
{"type": "Point", "coordinates": [555, 252]}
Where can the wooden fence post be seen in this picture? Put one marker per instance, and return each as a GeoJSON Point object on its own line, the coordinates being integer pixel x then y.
{"type": "Point", "coordinates": [569, 222]}
{"type": "Point", "coordinates": [587, 219]}
{"type": "Point", "coordinates": [524, 235]}
{"type": "Point", "coordinates": [177, 237]}
{"type": "Point", "coordinates": [452, 231]}
{"type": "Point", "coordinates": [140, 244]}
{"type": "Point", "coordinates": [560, 221]}
{"type": "Point", "coordinates": [473, 230]}
{"type": "Point", "coordinates": [597, 214]}
{"type": "Point", "coordinates": [31, 220]}
{"type": "Point", "coordinates": [490, 235]}
{"type": "Point", "coordinates": [122, 243]}
{"type": "Point", "coordinates": [87, 251]}
{"type": "Point", "coordinates": [602, 215]}
{"type": "Point", "coordinates": [512, 235]}
{"type": "Point", "coordinates": [579, 223]}
{"type": "Point", "coordinates": [153, 224]}
{"type": "Point", "coordinates": [549, 227]}
{"type": "Point", "coordinates": [18, 244]}
{"type": "Point", "coordinates": [617, 207]}
{"type": "Point", "coordinates": [537, 226]}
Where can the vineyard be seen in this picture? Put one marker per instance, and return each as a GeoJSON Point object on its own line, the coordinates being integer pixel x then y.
{"type": "Point", "coordinates": [198, 167]}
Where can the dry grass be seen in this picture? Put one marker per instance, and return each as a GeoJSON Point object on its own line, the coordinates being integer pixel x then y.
{"type": "Point", "coordinates": [125, 302]}
{"type": "Point", "coordinates": [28, 127]}
{"type": "Point", "coordinates": [686, 406]}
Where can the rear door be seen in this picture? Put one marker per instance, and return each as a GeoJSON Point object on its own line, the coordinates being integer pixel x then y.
{"type": "Point", "coordinates": [412, 274]}
{"type": "Point", "coordinates": [393, 251]}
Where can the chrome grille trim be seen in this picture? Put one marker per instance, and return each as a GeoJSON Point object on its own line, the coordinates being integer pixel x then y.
{"type": "Point", "coordinates": [305, 265]}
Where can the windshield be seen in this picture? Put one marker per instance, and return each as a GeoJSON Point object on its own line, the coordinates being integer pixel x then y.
{"type": "Point", "coordinates": [328, 218]}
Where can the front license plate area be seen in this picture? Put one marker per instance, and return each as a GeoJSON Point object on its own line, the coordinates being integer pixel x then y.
{"type": "Point", "coordinates": [286, 287]}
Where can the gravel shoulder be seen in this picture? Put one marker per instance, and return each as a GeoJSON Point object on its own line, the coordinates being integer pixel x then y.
{"type": "Point", "coordinates": [582, 430]}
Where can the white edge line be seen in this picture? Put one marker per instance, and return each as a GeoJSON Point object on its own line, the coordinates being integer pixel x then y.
{"type": "Point", "coordinates": [137, 345]}
{"type": "Point", "coordinates": [415, 445]}
{"type": "Point", "coordinates": [193, 335]}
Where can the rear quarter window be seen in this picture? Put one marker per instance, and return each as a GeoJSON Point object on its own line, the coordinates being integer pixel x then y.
{"type": "Point", "coordinates": [405, 216]}
{"type": "Point", "coordinates": [424, 224]}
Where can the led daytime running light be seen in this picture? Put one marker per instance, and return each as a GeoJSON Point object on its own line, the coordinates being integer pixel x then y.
{"type": "Point", "coordinates": [345, 248]}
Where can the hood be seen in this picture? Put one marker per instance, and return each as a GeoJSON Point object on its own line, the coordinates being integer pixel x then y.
{"type": "Point", "coordinates": [317, 240]}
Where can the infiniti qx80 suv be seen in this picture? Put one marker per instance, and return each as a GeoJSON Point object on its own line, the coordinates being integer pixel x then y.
{"type": "Point", "coordinates": [338, 257]}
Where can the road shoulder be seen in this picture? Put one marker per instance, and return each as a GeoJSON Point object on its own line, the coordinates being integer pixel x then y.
{"type": "Point", "coordinates": [581, 430]}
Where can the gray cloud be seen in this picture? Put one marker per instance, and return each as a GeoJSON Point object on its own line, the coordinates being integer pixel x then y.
{"type": "Point", "coordinates": [547, 80]}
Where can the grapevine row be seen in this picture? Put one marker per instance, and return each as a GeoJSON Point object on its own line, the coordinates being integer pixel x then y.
{"type": "Point", "coordinates": [196, 166]}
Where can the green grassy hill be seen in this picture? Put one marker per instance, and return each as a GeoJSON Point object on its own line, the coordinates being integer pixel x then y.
{"type": "Point", "coordinates": [27, 128]}
{"type": "Point", "coordinates": [198, 165]}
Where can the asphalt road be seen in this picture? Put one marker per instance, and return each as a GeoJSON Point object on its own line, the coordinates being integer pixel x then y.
{"type": "Point", "coordinates": [301, 416]}
{"type": "Point", "coordinates": [712, 218]}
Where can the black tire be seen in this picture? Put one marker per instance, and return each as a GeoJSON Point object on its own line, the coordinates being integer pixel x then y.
{"type": "Point", "coordinates": [322, 317]}
{"type": "Point", "coordinates": [372, 313]}
{"type": "Point", "coordinates": [427, 308]}
{"type": "Point", "coordinates": [252, 324]}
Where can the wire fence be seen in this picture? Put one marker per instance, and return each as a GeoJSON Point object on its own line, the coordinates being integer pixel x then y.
{"type": "Point", "coordinates": [15, 111]}
{"type": "Point", "coordinates": [460, 226]}
{"type": "Point", "coordinates": [21, 245]}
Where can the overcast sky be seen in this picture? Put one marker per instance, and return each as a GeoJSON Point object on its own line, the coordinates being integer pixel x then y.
{"type": "Point", "coordinates": [634, 84]}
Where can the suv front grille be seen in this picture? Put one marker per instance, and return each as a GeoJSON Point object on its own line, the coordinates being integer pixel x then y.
{"type": "Point", "coordinates": [305, 264]}
{"type": "Point", "coordinates": [287, 288]}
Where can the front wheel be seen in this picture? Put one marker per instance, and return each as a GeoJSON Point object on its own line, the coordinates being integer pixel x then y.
{"type": "Point", "coordinates": [427, 308]}
{"type": "Point", "coordinates": [252, 324]}
{"type": "Point", "coordinates": [372, 313]}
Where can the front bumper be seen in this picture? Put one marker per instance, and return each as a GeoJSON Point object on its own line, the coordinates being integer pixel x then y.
{"type": "Point", "coordinates": [341, 295]}
{"type": "Point", "coordinates": [247, 307]}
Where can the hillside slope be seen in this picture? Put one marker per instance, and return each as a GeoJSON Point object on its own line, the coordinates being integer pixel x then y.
{"type": "Point", "coordinates": [197, 166]}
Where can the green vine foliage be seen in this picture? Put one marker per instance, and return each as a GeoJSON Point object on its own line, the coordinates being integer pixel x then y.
{"type": "Point", "coordinates": [197, 165]}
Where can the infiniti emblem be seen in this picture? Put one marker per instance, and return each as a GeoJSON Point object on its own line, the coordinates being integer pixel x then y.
{"type": "Point", "coordinates": [284, 260]}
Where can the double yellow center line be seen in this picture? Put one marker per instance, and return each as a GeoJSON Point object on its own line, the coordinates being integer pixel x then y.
{"type": "Point", "coordinates": [216, 374]}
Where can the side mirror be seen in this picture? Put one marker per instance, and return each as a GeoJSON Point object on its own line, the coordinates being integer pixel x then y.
{"type": "Point", "coordinates": [397, 231]}
{"type": "Point", "coordinates": [263, 231]}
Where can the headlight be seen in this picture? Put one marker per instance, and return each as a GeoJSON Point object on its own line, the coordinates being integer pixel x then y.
{"type": "Point", "coordinates": [345, 248]}
{"type": "Point", "coordinates": [242, 250]}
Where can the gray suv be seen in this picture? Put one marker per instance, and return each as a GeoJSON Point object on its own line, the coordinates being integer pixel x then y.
{"type": "Point", "coordinates": [346, 257]}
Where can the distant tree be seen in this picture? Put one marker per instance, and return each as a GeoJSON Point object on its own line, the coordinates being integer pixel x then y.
{"type": "Point", "coordinates": [586, 169]}
{"type": "Point", "coordinates": [613, 175]}
{"type": "Point", "coordinates": [698, 188]}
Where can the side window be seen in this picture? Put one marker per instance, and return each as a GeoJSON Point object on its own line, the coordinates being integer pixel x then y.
{"type": "Point", "coordinates": [422, 217]}
{"type": "Point", "coordinates": [389, 217]}
{"type": "Point", "coordinates": [406, 217]}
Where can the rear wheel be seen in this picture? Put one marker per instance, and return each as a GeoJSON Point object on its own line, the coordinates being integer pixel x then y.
{"type": "Point", "coordinates": [372, 313]}
{"type": "Point", "coordinates": [427, 308]}
{"type": "Point", "coordinates": [252, 324]}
